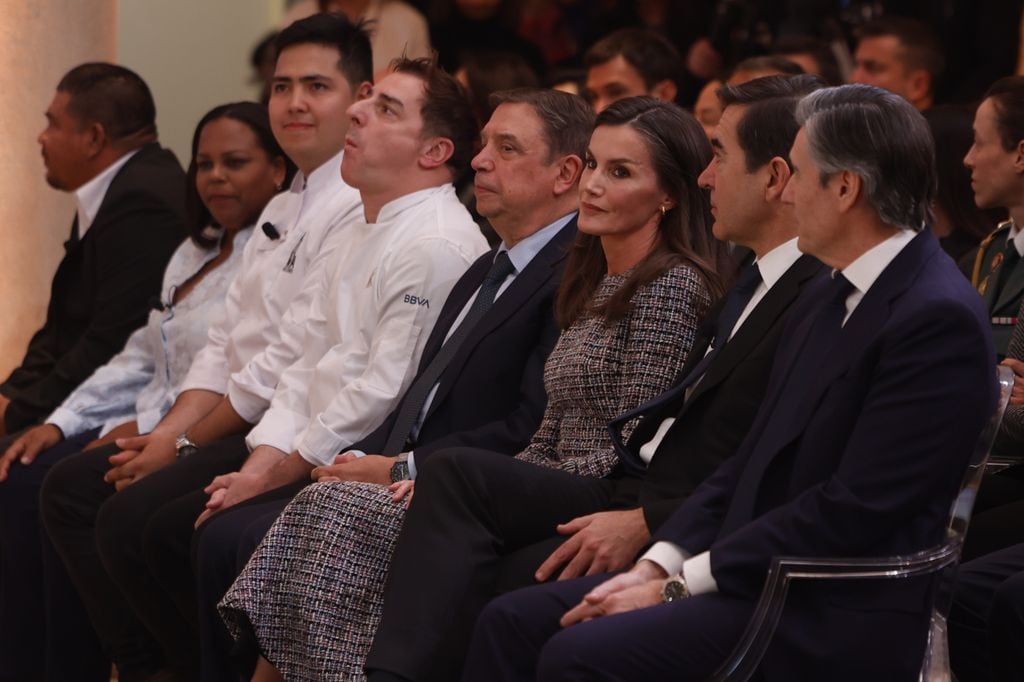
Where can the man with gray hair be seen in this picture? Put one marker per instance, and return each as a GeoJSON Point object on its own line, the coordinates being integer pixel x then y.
{"type": "Point", "coordinates": [881, 386]}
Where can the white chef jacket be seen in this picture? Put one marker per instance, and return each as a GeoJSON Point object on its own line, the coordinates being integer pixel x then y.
{"type": "Point", "coordinates": [311, 219]}
{"type": "Point", "coordinates": [366, 330]}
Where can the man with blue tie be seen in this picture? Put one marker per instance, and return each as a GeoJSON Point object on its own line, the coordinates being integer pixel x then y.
{"type": "Point", "coordinates": [882, 383]}
{"type": "Point", "coordinates": [682, 436]}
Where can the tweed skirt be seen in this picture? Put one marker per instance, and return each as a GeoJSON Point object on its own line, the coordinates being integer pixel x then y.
{"type": "Point", "coordinates": [311, 594]}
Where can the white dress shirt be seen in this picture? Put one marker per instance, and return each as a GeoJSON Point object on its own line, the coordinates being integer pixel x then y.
{"type": "Point", "coordinates": [89, 197]}
{"type": "Point", "coordinates": [772, 266]}
{"type": "Point", "coordinates": [1016, 235]}
{"type": "Point", "coordinates": [368, 324]}
{"type": "Point", "coordinates": [141, 382]}
{"type": "Point", "coordinates": [861, 273]}
{"type": "Point", "coordinates": [250, 344]}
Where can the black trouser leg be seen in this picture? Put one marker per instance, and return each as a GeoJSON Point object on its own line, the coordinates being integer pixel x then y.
{"type": "Point", "coordinates": [471, 508]}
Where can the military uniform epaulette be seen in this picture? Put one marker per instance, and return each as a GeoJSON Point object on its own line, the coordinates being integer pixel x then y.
{"type": "Point", "coordinates": [979, 260]}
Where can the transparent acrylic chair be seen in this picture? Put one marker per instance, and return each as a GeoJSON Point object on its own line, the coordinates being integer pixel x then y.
{"type": "Point", "coordinates": [746, 657]}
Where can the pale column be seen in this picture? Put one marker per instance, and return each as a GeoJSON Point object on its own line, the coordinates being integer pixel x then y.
{"type": "Point", "coordinates": [40, 40]}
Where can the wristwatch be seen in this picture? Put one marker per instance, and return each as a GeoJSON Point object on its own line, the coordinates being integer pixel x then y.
{"type": "Point", "coordinates": [675, 588]}
{"type": "Point", "coordinates": [400, 469]}
{"type": "Point", "coordinates": [183, 447]}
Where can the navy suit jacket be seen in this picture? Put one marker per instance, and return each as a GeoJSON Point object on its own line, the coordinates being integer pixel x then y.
{"type": "Point", "coordinates": [101, 291]}
{"type": "Point", "coordinates": [710, 426]}
{"type": "Point", "coordinates": [491, 394]}
{"type": "Point", "coordinates": [863, 460]}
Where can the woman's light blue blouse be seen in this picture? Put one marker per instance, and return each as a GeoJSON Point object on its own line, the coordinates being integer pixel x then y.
{"type": "Point", "coordinates": [142, 381]}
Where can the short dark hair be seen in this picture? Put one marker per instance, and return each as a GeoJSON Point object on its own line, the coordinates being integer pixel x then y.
{"type": "Point", "coordinates": [489, 71]}
{"type": "Point", "coordinates": [333, 30]}
{"type": "Point", "coordinates": [921, 47]}
{"type": "Point", "coordinates": [567, 119]}
{"type": "Point", "coordinates": [647, 51]}
{"type": "Point", "coordinates": [769, 62]}
{"type": "Point", "coordinates": [255, 117]}
{"type": "Point", "coordinates": [112, 96]}
{"type": "Point", "coordinates": [446, 109]}
{"type": "Point", "coordinates": [1007, 95]}
{"type": "Point", "coordinates": [819, 50]}
{"type": "Point", "coordinates": [882, 138]}
{"type": "Point", "coordinates": [769, 125]}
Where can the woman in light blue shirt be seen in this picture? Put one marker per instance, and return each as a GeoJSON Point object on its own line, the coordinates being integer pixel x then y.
{"type": "Point", "coordinates": [236, 168]}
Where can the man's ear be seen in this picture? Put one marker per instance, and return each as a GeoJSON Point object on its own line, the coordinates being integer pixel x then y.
{"type": "Point", "coordinates": [95, 138]}
{"type": "Point", "coordinates": [569, 169]}
{"type": "Point", "coordinates": [778, 176]}
{"type": "Point", "coordinates": [665, 90]}
{"type": "Point", "coordinates": [848, 189]}
{"type": "Point", "coordinates": [363, 91]}
{"type": "Point", "coordinates": [435, 152]}
{"type": "Point", "coordinates": [920, 84]}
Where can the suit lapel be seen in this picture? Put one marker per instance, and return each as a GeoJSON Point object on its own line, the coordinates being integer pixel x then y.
{"type": "Point", "coordinates": [542, 268]}
{"type": "Point", "coordinates": [453, 305]}
{"type": "Point", "coordinates": [794, 406]}
{"type": "Point", "coordinates": [774, 304]}
{"type": "Point", "coordinates": [1009, 297]}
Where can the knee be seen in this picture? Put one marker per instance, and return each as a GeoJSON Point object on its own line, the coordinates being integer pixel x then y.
{"type": "Point", "coordinates": [1008, 604]}
{"type": "Point", "coordinates": [56, 491]}
{"type": "Point", "coordinates": [561, 659]}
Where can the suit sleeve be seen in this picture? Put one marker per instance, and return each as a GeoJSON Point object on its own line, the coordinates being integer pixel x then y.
{"type": "Point", "coordinates": [928, 395]}
{"type": "Point", "coordinates": [508, 434]}
{"type": "Point", "coordinates": [131, 253]}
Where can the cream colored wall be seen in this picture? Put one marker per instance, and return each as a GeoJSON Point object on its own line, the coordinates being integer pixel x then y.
{"type": "Point", "coordinates": [39, 41]}
{"type": "Point", "coordinates": [194, 54]}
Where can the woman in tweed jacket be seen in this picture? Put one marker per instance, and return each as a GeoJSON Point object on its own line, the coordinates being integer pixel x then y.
{"type": "Point", "coordinates": [641, 276]}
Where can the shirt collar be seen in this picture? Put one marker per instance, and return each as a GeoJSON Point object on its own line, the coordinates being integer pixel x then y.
{"type": "Point", "coordinates": [526, 249]}
{"type": "Point", "coordinates": [89, 197]}
{"type": "Point", "coordinates": [396, 207]}
{"type": "Point", "coordinates": [1016, 235]}
{"type": "Point", "coordinates": [323, 176]}
{"type": "Point", "coordinates": [863, 272]}
{"type": "Point", "coordinates": [774, 264]}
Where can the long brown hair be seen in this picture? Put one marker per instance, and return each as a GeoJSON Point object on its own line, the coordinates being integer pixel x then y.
{"type": "Point", "coordinates": [679, 151]}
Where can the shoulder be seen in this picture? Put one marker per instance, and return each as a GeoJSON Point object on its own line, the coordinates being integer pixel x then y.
{"type": "Point", "coordinates": [681, 281]}
{"type": "Point", "coordinates": [441, 223]}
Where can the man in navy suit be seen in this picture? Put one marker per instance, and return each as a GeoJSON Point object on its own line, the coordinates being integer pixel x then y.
{"type": "Point", "coordinates": [882, 383]}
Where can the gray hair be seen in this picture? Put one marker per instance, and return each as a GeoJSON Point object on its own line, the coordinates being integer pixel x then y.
{"type": "Point", "coordinates": [880, 137]}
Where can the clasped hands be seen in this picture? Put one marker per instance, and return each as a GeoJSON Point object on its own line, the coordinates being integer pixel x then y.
{"type": "Point", "coordinates": [367, 469]}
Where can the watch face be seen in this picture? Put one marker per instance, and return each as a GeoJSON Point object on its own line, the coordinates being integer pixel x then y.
{"type": "Point", "coordinates": [674, 589]}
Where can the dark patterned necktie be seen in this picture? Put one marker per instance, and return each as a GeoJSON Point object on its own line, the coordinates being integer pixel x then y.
{"type": "Point", "coordinates": [417, 394]}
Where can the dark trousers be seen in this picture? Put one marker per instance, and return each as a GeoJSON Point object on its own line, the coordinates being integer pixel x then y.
{"type": "Point", "coordinates": [518, 637]}
{"type": "Point", "coordinates": [220, 549]}
{"type": "Point", "coordinates": [43, 625]}
{"type": "Point", "coordinates": [986, 623]}
{"type": "Point", "coordinates": [472, 508]}
{"type": "Point", "coordinates": [998, 519]}
{"type": "Point", "coordinates": [128, 552]}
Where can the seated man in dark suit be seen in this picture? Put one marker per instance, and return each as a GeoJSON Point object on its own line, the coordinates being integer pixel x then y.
{"type": "Point", "coordinates": [683, 435]}
{"type": "Point", "coordinates": [490, 389]}
{"type": "Point", "coordinates": [99, 143]}
{"type": "Point", "coordinates": [881, 386]}
{"type": "Point", "coordinates": [997, 177]}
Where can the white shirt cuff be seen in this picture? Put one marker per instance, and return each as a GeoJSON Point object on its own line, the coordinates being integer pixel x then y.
{"type": "Point", "coordinates": [249, 406]}
{"type": "Point", "coordinates": [69, 423]}
{"type": "Point", "coordinates": [697, 574]}
{"type": "Point", "coordinates": [319, 445]}
{"type": "Point", "coordinates": [278, 428]}
{"type": "Point", "coordinates": [668, 555]}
